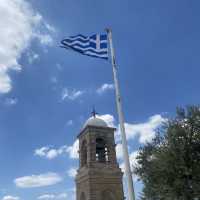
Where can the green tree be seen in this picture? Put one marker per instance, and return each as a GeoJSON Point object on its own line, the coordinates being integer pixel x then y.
{"type": "Point", "coordinates": [169, 166]}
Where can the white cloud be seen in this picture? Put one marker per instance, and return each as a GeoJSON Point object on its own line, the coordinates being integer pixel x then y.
{"type": "Point", "coordinates": [145, 131]}
{"type": "Point", "coordinates": [42, 151]}
{"type": "Point", "coordinates": [72, 172]}
{"type": "Point", "coordinates": [133, 161]}
{"type": "Point", "coordinates": [20, 24]}
{"type": "Point", "coordinates": [62, 196]}
{"type": "Point", "coordinates": [51, 153]}
{"type": "Point", "coordinates": [109, 119]}
{"type": "Point", "coordinates": [105, 87]}
{"type": "Point", "coordinates": [70, 122]}
{"type": "Point", "coordinates": [46, 196]}
{"type": "Point", "coordinates": [11, 101]}
{"type": "Point", "coordinates": [5, 82]}
{"type": "Point", "coordinates": [8, 197]}
{"type": "Point", "coordinates": [133, 164]}
{"type": "Point", "coordinates": [50, 28]}
{"type": "Point", "coordinates": [73, 150]}
{"type": "Point", "coordinates": [44, 39]}
{"type": "Point", "coordinates": [119, 151]}
{"type": "Point", "coordinates": [71, 94]}
{"type": "Point", "coordinates": [38, 180]}
{"type": "Point", "coordinates": [32, 56]}
{"type": "Point", "coordinates": [53, 196]}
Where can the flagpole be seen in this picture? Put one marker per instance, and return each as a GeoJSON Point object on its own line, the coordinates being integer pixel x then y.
{"type": "Point", "coordinates": [121, 120]}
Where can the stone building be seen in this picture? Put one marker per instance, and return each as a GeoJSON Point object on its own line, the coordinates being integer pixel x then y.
{"type": "Point", "coordinates": [99, 176]}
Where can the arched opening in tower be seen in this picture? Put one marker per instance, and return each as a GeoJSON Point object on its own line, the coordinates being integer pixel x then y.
{"type": "Point", "coordinates": [83, 196]}
{"type": "Point", "coordinates": [83, 154]}
{"type": "Point", "coordinates": [101, 150]}
{"type": "Point", "coordinates": [108, 195]}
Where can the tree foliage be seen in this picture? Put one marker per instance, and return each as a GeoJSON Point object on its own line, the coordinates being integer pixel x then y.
{"type": "Point", "coordinates": [169, 166]}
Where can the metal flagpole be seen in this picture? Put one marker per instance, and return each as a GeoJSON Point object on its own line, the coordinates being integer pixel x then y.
{"type": "Point", "coordinates": [121, 120]}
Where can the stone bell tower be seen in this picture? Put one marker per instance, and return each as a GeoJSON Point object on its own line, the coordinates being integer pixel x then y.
{"type": "Point", "coordinates": [99, 176]}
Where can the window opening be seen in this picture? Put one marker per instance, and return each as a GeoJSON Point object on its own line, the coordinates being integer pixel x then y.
{"type": "Point", "coordinates": [84, 154]}
{"type": "Point", "coordinates": [83, 196]}
{"type": "Point", "coordinates": [101, 151]}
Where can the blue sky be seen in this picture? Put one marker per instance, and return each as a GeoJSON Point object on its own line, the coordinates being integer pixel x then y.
{"type": "Point", "coordinates": [47, 93]}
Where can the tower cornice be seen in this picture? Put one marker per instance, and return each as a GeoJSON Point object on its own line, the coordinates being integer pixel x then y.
{"type": "Point", "coordinates": [90, 128]}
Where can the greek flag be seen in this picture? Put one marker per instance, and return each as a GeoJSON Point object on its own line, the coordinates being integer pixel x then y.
{"type": "Point", "coordinates": [95, 45]}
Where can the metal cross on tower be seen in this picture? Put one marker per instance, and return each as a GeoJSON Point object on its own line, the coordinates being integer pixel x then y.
{"type": "Point", "coordinates": [94, 113]}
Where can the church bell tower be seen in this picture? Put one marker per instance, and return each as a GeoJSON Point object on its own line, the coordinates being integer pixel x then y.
{"type": "Point", "coordinates": [99, 176]}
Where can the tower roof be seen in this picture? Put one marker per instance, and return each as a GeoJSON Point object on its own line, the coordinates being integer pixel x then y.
{"type": "Point", "coordinates": [95, 121]}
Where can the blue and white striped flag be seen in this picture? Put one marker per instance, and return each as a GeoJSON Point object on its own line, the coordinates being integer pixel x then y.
{"type": "Point", "coordinates": [95, 45]}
